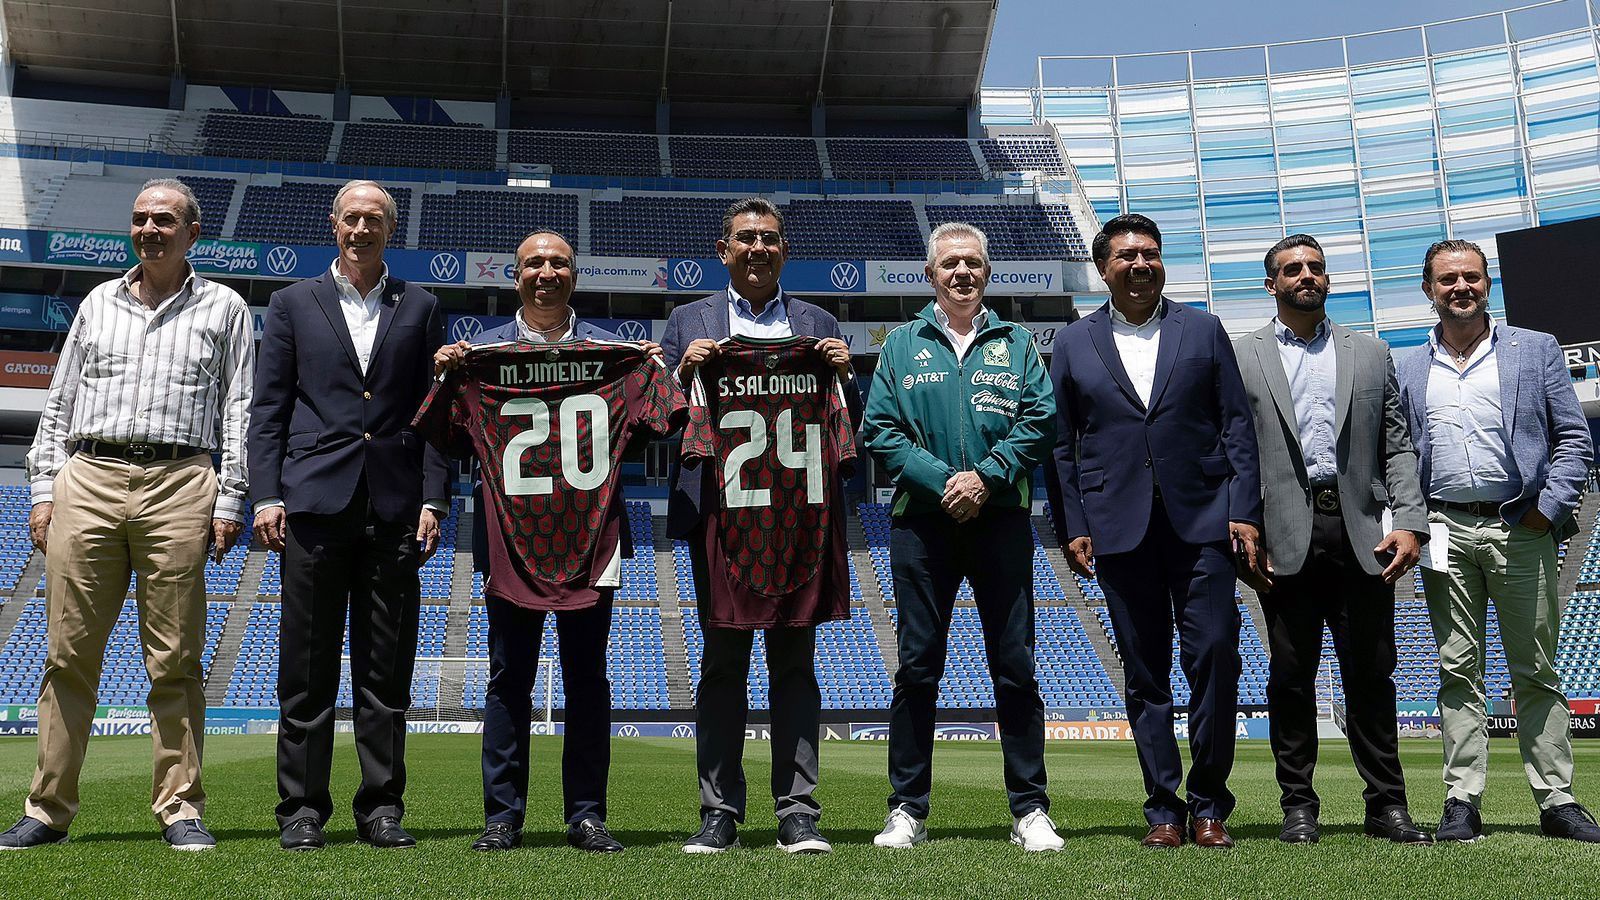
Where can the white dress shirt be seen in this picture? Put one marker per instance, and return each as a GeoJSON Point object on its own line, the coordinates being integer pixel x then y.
{"type": "Point", "coordinates": [178, 374]}
{"type": "Point", "coordinates": [1467, 438]}
{"type": "Point", "coordinates": [360, 313]}
{"type": "Point", "coordinates": [1137, 345]}
{"type": "Point", "coordinates": [962, 342]}
{"type": "Point", "coordinates": [563, 332]}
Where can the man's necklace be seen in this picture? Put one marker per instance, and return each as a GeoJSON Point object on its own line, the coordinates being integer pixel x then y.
{"type": "Point", "coordinates": [1461, 355]}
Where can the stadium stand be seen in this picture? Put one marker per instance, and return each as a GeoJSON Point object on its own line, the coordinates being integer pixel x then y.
{"type": "Point", "coordinates": [651, 225]}
{"type": "Point", "coordinates": [730, 157]}
{"type": "Point", "coordinates": [417, 146]}
{"type": "Point", "coordinates": [16, 548]}
{"type": "Point", "coordinates": [289, 138]}
{"type": "Point", "coordinates": [867, 159]}
{"type": "Point", "coordinates": [296, 212]}
{"type": "Point", "coordinates": [1019, 231]}
{"type": "Point", "coordinates": [1578, 656]}
{"type": "Point", "coordinates": [852, 229]}
{"type": "Point", "coordinates": [586, 154]}
{"type": "Point", "coordinates": [1023, 153]}
{"type": "Point", "coordinates": [635, 660]}
{"type": "Point", "coordinates": [493, 219]}
{"type": "Point", "coordinates": [215, 196]}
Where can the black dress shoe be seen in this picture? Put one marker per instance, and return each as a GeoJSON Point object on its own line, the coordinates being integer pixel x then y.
{"type": "Point", "coordinates": [498, 836]}
{"type": "Point", "coordinates": [1394, 824]}
{"type": "Point", "coordinates": [1300, 827]}
{"type": "Point", "coordinates": [591, 835]}
{"type": "Point", "coordinates": [384, 831]}
{"type": "Point", "coordinates": [718, 832]}
{"type": "Point", "coordinates": [304, 833]}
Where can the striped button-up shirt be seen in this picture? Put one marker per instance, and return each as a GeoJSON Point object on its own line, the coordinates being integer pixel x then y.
{"type": "Point", "coordinates": [177, 374]}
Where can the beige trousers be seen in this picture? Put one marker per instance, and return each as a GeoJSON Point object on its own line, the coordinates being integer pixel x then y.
{"type": "Point", "coordinates": [111, 519]}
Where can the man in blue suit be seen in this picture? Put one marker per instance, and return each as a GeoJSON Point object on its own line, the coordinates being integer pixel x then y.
{"type": "Point", "coordinates": [1157, 469]}
{"type": "Point", "coordinates": [547, 275]}
{"type": "Point", "coordinates": [1503, 452]}
{"type": "Point", "coordinates": [344, 363]}
{"type": "Point", "coordinates": [754, 305]}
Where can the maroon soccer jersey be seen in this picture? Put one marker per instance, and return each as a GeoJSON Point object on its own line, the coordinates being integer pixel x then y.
{"type": "Point", "coordinates": [549, 424]}
{"type": "Point", "coordinates": [769, 416]}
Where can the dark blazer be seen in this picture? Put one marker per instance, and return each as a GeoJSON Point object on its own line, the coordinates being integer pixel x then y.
{"type": "Point", "coordinates": [1372, 447]}
{"type": "Point", "coordinates": [480, 531]}
{"type": "Point", "coordinates": [708, 318]}
{"type": "Point", "coordinates": [1197, 437]}
{"type": "Point", "coordinates": [319, 426]}
{"type": "Point", "coordinates": [1550, 442]}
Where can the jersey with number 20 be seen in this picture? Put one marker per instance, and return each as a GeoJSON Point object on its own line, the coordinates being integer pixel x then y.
{"type": "Point", "coordinates": [769, 415]}
{"type": "Point", "coordinates": [549, 424]}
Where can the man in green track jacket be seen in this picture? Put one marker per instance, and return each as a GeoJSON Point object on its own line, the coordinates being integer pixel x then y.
{"type": "Point", "coordinates": [960, 414]}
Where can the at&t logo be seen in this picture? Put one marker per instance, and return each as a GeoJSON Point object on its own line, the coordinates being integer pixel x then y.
{"type": "Point", "coordinates": [465, 328]}
{"type": "Point", "coordinates": [845, 276]}
{"type": "Point", "coordinates": [281, 260]}
{"type": "Point", "coordinates": [688, 273]}
{"type": "Point", "coordinates": [445, 267]}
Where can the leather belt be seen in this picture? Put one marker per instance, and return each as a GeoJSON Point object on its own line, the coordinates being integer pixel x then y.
{"type": "Point", "coordinates": [1483, 509]}
{"type": "Point", "coordinates": [1325, 499]}
{"type": "Point", "coordinates": [138, 451]}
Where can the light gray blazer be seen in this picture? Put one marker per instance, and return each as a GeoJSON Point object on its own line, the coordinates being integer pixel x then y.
{"type": "Point", "coordinates": [1377, 463]}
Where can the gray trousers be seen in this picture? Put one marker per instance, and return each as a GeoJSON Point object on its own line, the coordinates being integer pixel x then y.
{"type": "Point", "coordinates": [722, 709]}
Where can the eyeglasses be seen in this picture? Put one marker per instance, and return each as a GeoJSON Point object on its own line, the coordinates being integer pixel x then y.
{"type": "Point", "coordinates": [749, 238]}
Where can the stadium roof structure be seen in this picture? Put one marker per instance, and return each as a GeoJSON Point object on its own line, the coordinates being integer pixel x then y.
{"type": "Point", "coordinates": [850, 52]}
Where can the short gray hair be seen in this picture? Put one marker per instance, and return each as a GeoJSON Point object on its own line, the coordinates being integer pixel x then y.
{"type": "Point", "coordinates": [391, 212]}
{"type": "Point", "coordinates": [957, 229]}
{"type": "Point", "coordinates": [191, 205]}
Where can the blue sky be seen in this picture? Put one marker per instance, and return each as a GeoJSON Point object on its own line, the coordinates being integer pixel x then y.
{"type": "Point", "coordinates": [1026, 29]}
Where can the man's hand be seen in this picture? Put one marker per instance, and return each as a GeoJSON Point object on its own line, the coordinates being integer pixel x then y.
{"type": "Point", "coordinates": [270, 526]}
{"type": "Point", "coordinates": [1080, 556]}
{"type": "Point", "coordinates": [427, 533]}
{"type": "Point", "coordinates": [964, 496]}
{"type": "Point", "coordinates": [223, 533]}
{"type": "Point", "coordinates": [449, 357]}
{"type": "Point", "coordinates": [1250, 556]}
{"type": "Point", "coordinates": [1406, 549]}
{"type": "Point", "coordinates": [837, 353]}
{"type": "Point", "coordinates": [695, 356]}
{"type": "Point", "coordinates": [39, 524]}
{"type": "Point", "coordinates": [1534, 521]}
{"type": "Point", "coordinates": [653, 350]}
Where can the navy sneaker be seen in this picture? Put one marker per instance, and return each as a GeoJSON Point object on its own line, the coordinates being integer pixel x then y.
{"type": "Point", "coordinates": [1460, 822]}
{"type": "Point", "coordinates": [190, 835]}
{"type": "Point", "coordinates": [29, 833]}
{"type": "Point", "coordinates": [1570, 821]}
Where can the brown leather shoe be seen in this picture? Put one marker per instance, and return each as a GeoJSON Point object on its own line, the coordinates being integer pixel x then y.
{"type": "Point", "coordinates": [1163, 836]}
{"type": "Point", "coordinates": [1211, 833]}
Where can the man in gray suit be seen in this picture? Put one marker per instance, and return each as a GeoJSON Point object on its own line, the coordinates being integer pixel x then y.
{"type": "Point", "coordinates": [754, 305]}
{"type": "Point", "coordinates": [1504, 451]}
{"type": "Point", "coordinates": [1335, 452]}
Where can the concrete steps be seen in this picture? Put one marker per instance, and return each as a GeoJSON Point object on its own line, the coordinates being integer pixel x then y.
{"type": "Point", "coordinates": [227, 654]}
{"type": "Point", "coordinates": [680, 694]}
{"type": "Point", "coordinates": [1103, 647]}
{"type": "Point", "coordinates": [872, 593]}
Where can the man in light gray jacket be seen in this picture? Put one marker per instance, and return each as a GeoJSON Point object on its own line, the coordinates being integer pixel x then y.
{"type": "Point", "coordinates": [1335, 452]}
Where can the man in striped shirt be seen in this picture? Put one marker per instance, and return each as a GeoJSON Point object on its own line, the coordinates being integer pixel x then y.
{"type": "Point", "coordinates": [154, 378]}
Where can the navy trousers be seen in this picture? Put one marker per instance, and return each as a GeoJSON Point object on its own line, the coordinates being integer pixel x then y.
{"type": "Point", "coordinates": [929, 555]}
{"type": "Point", "coordinates": [1166, 581]}
{"type": "Point", "coordinates": [514, 636]}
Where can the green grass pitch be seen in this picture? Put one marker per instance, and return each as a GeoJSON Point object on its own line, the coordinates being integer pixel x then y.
{"type": "Point", "coordinates": [116, 850]}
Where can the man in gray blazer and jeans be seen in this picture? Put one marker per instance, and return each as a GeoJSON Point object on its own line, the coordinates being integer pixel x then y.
{"type": "Point", "coordinates": [1335, 452]}
{"type": "Point", "coordinates": [1504, 451]}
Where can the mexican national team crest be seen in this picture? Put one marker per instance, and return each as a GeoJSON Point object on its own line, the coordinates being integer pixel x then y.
{"type": "Point", "coordinates": [996, 354]}
{"type": "Point", "coordinates": [772, 361]}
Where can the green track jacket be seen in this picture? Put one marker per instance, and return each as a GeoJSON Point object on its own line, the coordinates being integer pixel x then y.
{"type": "Point", "coordinates": [929, 416]}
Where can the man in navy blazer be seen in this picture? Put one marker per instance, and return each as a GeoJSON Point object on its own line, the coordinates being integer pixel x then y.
{"type": "Point", "coordinates": [1503, 454]}
{"type": "Point", "coordinates": [1159, 484]}
{"type": "Point", "coordinates": [345, 361]}
{"type": "Point", "coordinates": [753, 249]}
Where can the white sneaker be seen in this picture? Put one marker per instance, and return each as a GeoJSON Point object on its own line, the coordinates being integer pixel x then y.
{"type": "Point", "coordinates": [901, 829]}
{"type": "Point", "coordinates": [1035, 831]}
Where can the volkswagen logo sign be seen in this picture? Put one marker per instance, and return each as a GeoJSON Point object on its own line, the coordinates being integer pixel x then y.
{"type": "Point", "coordinates": [632, 330]}
{"type": "Point", "coordinates": [281, 260]}
{"type": "Point", "coordinates": [682, 730]}
{"type": "Point", "coordinates": [687, 273]}
{"type": "Point", "coordinates": [628, 731]}
{"type": "Point", "coordinates": [465, 328]}
{"type": "Point", "coordinates": [444, 267]}
{"type": "Point", "coordinates": [845, 276]}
